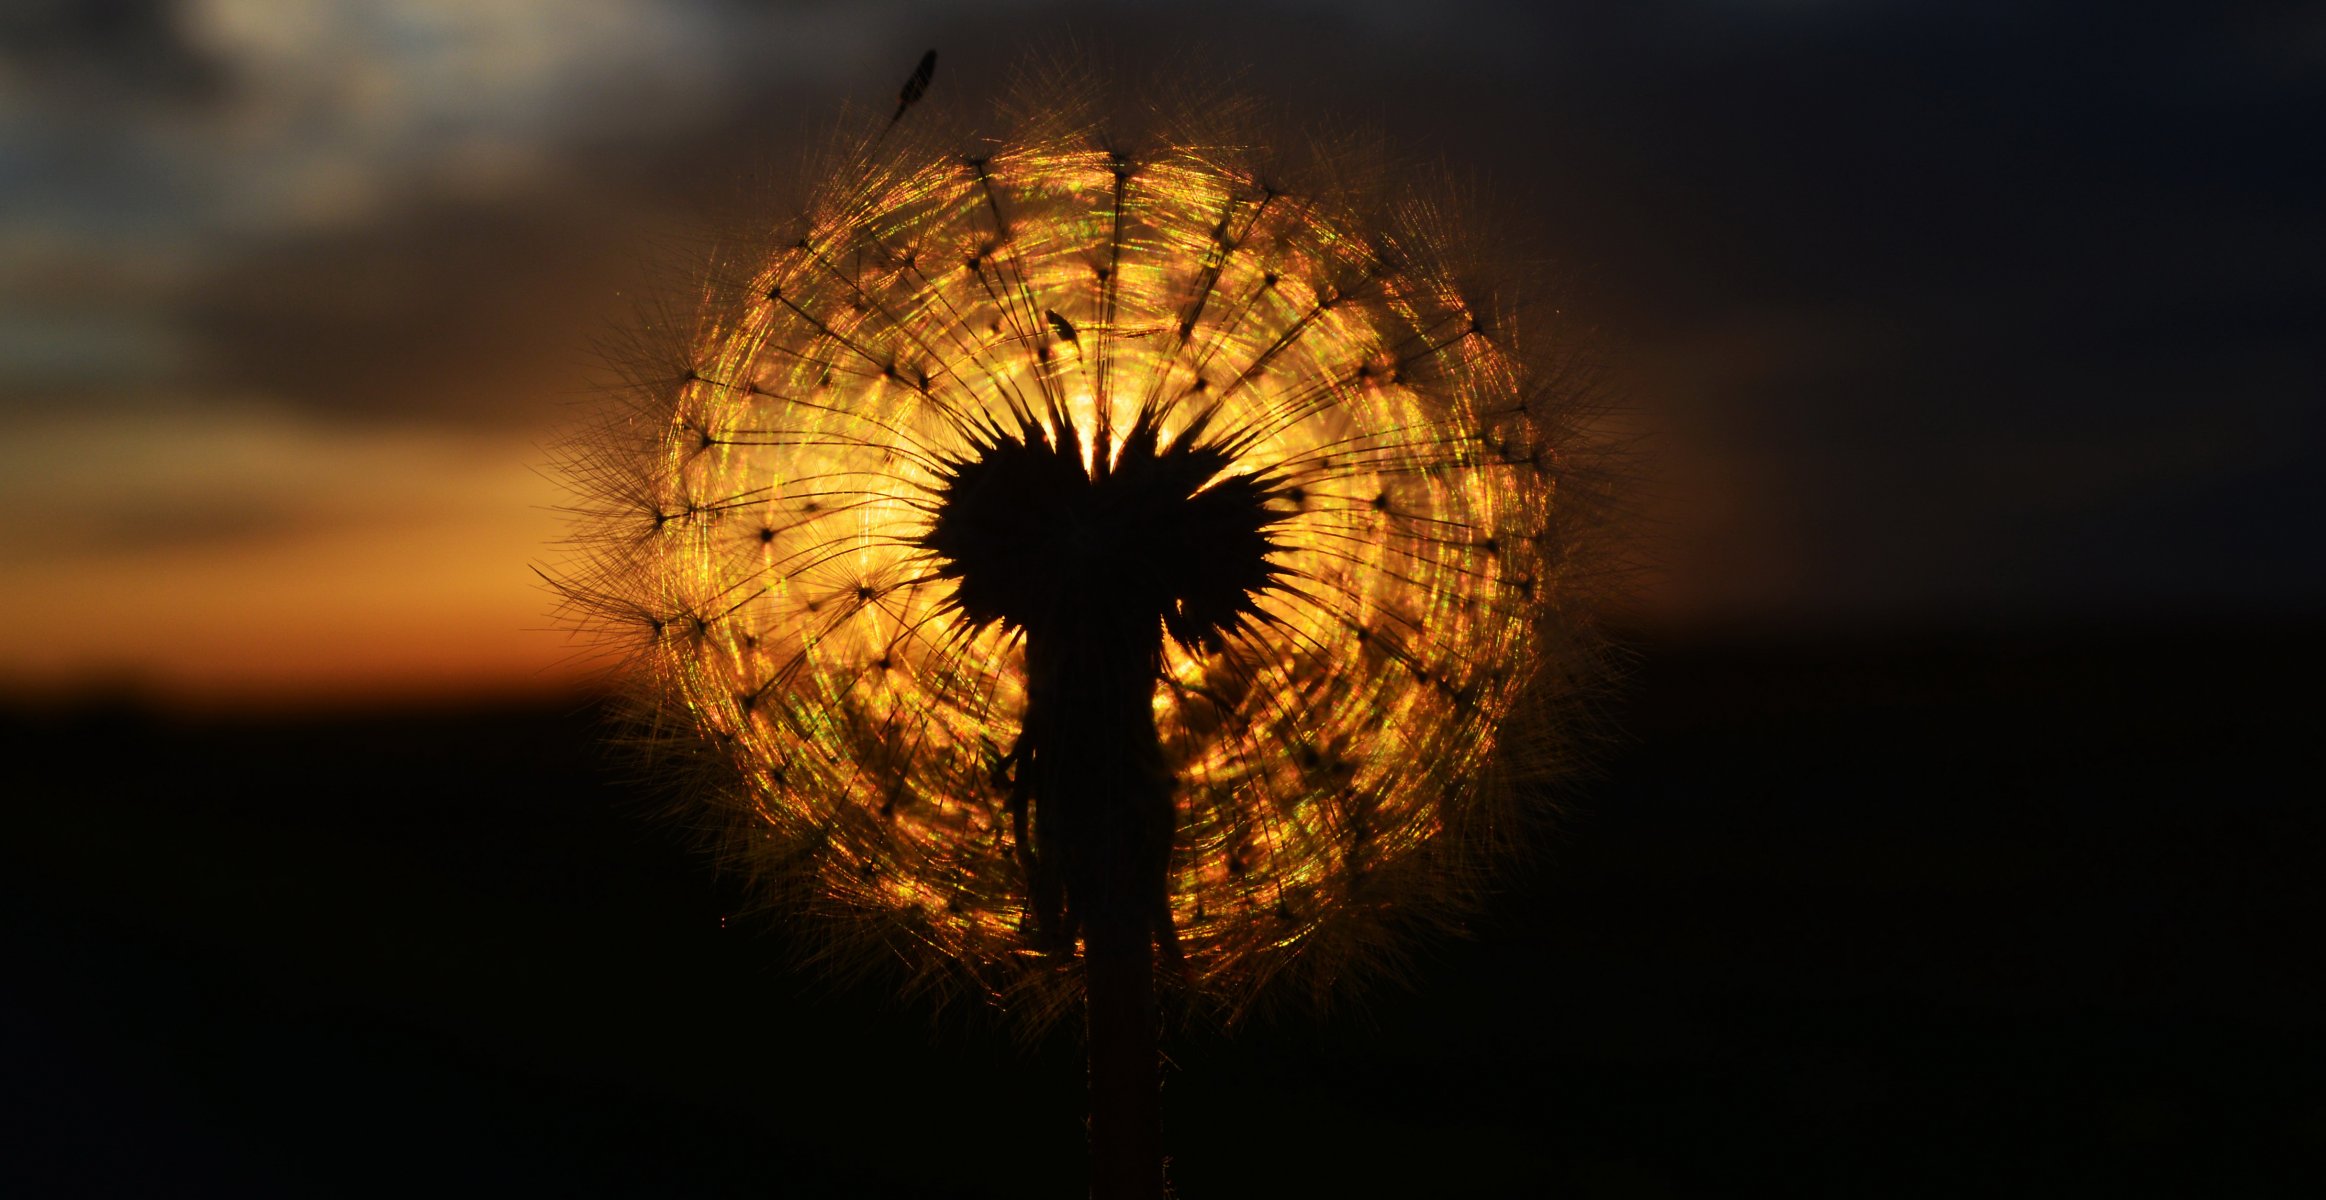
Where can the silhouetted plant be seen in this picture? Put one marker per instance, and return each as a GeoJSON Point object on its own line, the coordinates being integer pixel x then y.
{"type": "Point", "coordinates": [1085, 537]}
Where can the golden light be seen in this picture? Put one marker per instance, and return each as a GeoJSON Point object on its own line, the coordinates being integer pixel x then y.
{"type": "Point", "coordinates": [761, 529]}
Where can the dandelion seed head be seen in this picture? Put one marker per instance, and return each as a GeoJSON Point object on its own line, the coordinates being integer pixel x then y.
{"type": "Point", "coordinates": [1343, 715]}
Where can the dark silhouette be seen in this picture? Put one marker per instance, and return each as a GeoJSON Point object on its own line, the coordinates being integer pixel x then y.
{"type": "Point", "coordinates": [1093, 566]}
{"type": "Point", "coordinates": [916, 86]}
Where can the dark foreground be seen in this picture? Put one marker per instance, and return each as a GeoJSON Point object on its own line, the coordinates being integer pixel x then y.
{"type": "Point", "coordinates": [1970, 916]}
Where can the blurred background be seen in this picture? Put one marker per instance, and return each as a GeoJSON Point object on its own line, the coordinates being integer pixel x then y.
{"type": "Point", "coordinates": [1952, 836]}
{"type": "Point", "coordinates": [1938, 317]}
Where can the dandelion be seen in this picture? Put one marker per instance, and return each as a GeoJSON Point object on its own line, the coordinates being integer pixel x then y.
{"type": "Point", "coordinates": [1077, 553]}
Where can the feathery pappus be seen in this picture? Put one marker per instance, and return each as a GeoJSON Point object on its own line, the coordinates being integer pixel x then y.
{"type": "Point", "coordinates": [987, 387]}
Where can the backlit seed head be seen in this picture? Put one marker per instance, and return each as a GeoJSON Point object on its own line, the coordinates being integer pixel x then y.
{"type": "Point", "coordinates": [987, 386]}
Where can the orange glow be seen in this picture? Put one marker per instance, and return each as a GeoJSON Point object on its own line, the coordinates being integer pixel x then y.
{"type": "Point", "coordinates": [349, 566]}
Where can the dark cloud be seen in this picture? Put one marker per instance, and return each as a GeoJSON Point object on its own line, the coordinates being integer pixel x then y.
{"type": "Point", "coordinates": [105, 51]}
{"type": "Point", "coordinates": [193, 523]}
{"type": "Point", "coordinates": [470, 316]}
{"type": "Point", "coordinates": [1981, 308]}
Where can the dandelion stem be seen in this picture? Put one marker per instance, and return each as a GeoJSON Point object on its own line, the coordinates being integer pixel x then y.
{"type": "Point", "coordinates": [1102, 811]}
{"type": "Point", "coordinates": [1126, 1085]}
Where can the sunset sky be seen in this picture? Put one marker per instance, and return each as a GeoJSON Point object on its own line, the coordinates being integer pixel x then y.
{"type": "Point", "coordinates": [1928, 317]}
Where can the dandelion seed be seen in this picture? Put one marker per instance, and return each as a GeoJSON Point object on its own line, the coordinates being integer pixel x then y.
{"type": "Point", "coordinates": [916, 86]}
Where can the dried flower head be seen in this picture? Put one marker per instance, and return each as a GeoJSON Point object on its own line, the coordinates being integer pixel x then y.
{"type": "Point", "coordinates": [988, 398]}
